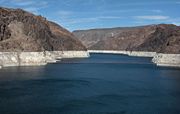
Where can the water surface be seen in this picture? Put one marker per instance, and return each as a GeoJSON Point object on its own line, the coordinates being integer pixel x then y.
{"type": "Point", "coordinates": [101, 84]}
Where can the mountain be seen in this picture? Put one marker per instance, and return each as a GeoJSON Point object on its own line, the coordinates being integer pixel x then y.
{"type": "Point", "coordinates": [164, 38]}
{"type": "Point", "coordinates": [24, 31]}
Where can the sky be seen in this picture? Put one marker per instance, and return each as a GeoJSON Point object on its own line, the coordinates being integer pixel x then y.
{"type": "Point", "coordinates": [88, 14]}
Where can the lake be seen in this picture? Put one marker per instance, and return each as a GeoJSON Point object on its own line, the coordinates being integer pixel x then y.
{"type": "Point", "coordinates": [101, 84]}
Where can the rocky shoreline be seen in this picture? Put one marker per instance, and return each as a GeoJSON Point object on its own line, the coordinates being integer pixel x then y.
{"type": "Point", "coordinates": [8, 59]}
{"type": "Point", "coordinates": [169, 60]}
{"type": "Point", "coordinates": [160, 59]}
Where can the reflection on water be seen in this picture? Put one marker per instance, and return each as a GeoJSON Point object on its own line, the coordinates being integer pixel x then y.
{"type": "Point", "coordinates": [102, 84]}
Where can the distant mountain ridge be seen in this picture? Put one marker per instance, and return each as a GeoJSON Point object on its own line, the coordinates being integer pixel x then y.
{"type": "Point", "coordinates": [162, 38]}
{"type": "Point", "coordinates": [24, 31]}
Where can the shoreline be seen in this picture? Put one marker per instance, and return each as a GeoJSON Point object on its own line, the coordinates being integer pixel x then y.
{"type": "Point", "coordinates": [167, 60]}
{"type": "Point", "coordinates": [130, 53]}
{"type": "Point", "coordinates": [160, 59]}
{"type": "Point", "coordinates": [8, 59]}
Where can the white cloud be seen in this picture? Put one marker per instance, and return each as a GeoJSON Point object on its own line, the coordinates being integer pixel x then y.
{"type": "Point", "coordinates": [87, 20]}
{"type": "Point", "coordinates": [64, 14]}
{"type": "Point", "coordinates": [69, 17]}
{"type": "Point", "coordinates": [29, 5]}
{"type": "Point", "coordinates": [108, 17]}
{"type": "Point", "coordinates": [169, 20]}
{"type": "Point", "coordinates": [80, 20]}
{"type": "Point", "coordinates": [147, 3]}
{"type": "Point", "coordinates": [152, 17]}
{"type": "Point", "coordinates": [32, 9]}
{"type": "Point", "coordinates": [176, 23]}
{"type": "Point", "coordinates": [157, 11]}
{"type": "Point", "coordinates": [23, 3]}
{"type": "Point", "coordinates": [126, 11]}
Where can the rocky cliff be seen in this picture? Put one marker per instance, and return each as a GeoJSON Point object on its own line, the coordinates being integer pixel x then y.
{"type": "Point", "coordinates": [64, 40]}
{"type": "Point", "coordinates": [165, 39]}
{"type": "Point", "coordinates": [160, 38]}
{"type": "Point", "coordinates": [23, 31]}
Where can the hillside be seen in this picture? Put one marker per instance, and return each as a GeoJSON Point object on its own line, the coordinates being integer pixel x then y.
{"type": "Point", "coordinates": [162, 38]}
{"type": "Point", "coordinates": [24, 31]}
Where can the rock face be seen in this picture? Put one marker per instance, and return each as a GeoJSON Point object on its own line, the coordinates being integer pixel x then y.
{"type": "Point", "coordinates": [23, 31]}
{"type": "Point", "coordinates": [8, 59]}
{"type": "Point", "coordinates": [170, 60]}
{"type": "Point", "coordinates": [155, 38]}
{"type": "Point", "coordinates": [166, 39]}
{"type": "Point", "coordinates": [64, 40]}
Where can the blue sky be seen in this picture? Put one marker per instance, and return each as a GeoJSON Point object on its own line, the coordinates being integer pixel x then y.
{"type": "Point", "coordinates": [87, 14]}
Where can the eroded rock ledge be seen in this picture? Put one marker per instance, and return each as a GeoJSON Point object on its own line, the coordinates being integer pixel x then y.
{"type": "Point", "coordinates": [37, 58]}
{"type": "Point", "coordinates": [171, 60]}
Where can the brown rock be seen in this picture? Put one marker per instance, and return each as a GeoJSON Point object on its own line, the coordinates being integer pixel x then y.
{"type": "Point", "coordinates": [64, 40]}
{"type": "Point", "coordinates": [23, 31]}
{"type": "Point", "coordinates": [159, 38]}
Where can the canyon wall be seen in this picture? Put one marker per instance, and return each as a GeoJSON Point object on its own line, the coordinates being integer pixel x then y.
{"type": "Point", "coordinates": [161, 38]}
{"type": "Point", "coordinates": [158, 41]}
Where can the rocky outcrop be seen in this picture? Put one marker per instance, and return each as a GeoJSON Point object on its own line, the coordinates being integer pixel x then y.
{"type": "Point", "coordinates": [26, 40]}
{"type": "Point", "coordinates": [154, 38]}
{"type": "Point", "coordinates": [166, 39]}
{"type": "Point", "coordinates": [172, 60]}
{"type": "Point", "coordinates": [37, 58]}
{"type": "Point", "coordinates": [23, 31]}
{"type": "Point", "coordinates": [64, 40]}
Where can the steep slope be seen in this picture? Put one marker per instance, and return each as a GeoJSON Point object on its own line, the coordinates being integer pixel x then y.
{"type": "Point", "coordinates": [23, 31]}
{"type": "Point", "coordinates": [160, 38]}
{"type": "Point", "coordinates": [125, 35]}
{"type": "Point", "coordinates": [166, 39]}
{"type": "Point", "coordinates": [64, 40]}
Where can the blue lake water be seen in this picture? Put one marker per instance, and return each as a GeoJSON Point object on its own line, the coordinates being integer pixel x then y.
{"type": "Point", "coordinates": [101, 84]}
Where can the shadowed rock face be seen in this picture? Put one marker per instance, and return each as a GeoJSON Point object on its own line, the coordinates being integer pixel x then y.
{"type": "Point", "coordinates": [160, 38]}
{"type": "Point", "coordinates": [23, 31]}
{"type": "Point", "coordinates": [64, 40]}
